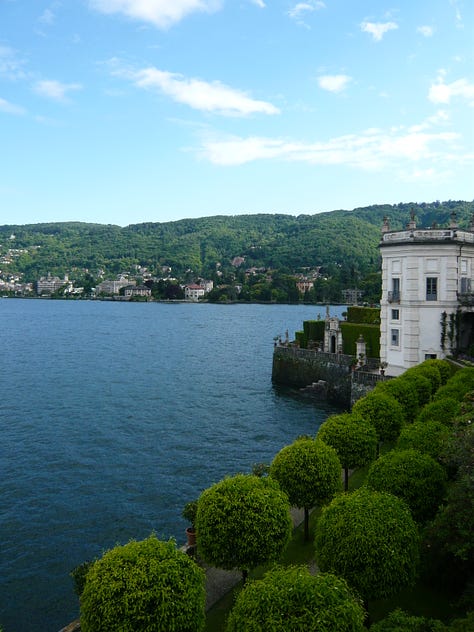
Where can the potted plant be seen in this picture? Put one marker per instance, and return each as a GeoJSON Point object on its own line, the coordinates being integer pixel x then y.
{"type": "Point", "coordinates": [189, 514]}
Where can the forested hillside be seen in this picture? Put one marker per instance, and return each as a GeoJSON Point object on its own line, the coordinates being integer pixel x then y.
{"type": "Point", "coordinates": [342, 240]}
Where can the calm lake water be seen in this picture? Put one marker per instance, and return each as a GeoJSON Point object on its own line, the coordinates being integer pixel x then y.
{"type": "Point", "coordinates": [113, 416]}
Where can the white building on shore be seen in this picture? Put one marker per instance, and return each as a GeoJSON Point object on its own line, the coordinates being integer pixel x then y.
{"type": "Point", "coordinates": [427, 305]}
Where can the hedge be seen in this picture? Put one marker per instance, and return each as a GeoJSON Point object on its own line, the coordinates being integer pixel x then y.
{"type": "Point", "coordinates": [314, 329]}
{"type": "Point", "coordinates": [363, 315]}
{"type": "Point", "coordinates": [351, 333]}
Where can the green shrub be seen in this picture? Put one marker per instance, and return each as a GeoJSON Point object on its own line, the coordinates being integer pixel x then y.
{"type": "Point", "coordinates": [412, 476]}
{"type": "Point", "coordinates": [79, 575]}
{"type": "Point", "coordinates": [428, 437]}
{"type": "Point", "coordinates": [354, 534]}
{"type": "Point", "coordinates": [443, 409]}
{"type": "Point", "coordinates": [449, 538]}
{"type": "Point", "coordinates": [314, 329]}
{"type": "Point", "coordinates": [404, 392]}
{"type": "Point", "coordinates": [293, 600]}
{"type": "Point", "coordinates": [190, 511]}
{"type": "Point", "coordinates": [445, 368]}
{"type": "Point", "coordinates": [148, 585]}
{"type": "Point", "coordinates": [464, 624]}
{"type": "Point", "coordinates": [421, 383]}
{"type": "Point", "coordinates": [430, 369]}
{"type": "Point", "coordinates": [353, 438]}
{"type": "Point", "coordinates": [399, 621]}
{"type": "Point", "coordinates": [309, 471]}
{"type": "Point", "coordinates": [383, 412]}
{"type": "Point", "coordinates": [300, 337]}
{"type": "Point", "coordinates": [351, 333]}
{"type": "Point", "coordinates": [458, 385]}
{"type": "Point", "coordinates": [243, 521]}
{"type": "Point", "coordinates": [466, 414]}
{"type": "Point", "coordinates": [366, 315]}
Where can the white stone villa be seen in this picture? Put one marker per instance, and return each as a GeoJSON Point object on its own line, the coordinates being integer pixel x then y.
{"type": "Point", "coordinates": [194, 291]}
{"type": "Point", "coordinates": [427, 304]}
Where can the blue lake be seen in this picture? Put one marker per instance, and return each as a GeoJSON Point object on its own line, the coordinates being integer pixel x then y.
{"type": "Point", "coordinates": [113, 416]}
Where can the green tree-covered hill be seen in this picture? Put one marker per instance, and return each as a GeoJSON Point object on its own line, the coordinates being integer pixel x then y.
{"type": "Point", "coordinates": [342, 240]}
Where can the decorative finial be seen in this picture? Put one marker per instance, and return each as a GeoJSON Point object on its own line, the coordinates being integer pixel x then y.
{"type": "Point", "coordinates": [386, 225]}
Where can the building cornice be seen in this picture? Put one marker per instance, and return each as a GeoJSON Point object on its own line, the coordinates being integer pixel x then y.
{"type": "Point", "coordinates": [426, 237]}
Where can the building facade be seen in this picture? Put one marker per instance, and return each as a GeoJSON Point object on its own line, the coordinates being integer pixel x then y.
{"type": "Point", "coordinates": [427, 306]}
{"type": "Point", "coordinates": [194, 292]}
{"type": "Point", "coordinates": [50, 284]}
{"type": "Point", "coordinates": [131, 291]}
{"type": "Point", "coordinates": [113, 286]}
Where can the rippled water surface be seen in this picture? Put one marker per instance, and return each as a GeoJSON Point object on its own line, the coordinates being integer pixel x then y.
{"type": "Point", "coordinates": [112, 416]}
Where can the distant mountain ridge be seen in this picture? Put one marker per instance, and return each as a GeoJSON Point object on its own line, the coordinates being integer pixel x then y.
{"type": "Point", "coordinates": [336, 238]}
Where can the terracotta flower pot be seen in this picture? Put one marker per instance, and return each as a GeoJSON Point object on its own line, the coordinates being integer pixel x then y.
{"type": "Point", "coordinates": [191, 536]}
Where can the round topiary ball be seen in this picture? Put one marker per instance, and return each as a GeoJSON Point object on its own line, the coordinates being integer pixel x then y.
{"type": "Point", "coordinates": [148, 585]}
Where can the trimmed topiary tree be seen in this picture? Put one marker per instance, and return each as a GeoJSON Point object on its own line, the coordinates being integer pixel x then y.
{"type": "Point", "coordinates": [414, 477]}
{"type": "Point", "coordinates": [421, 383]}
{"type": "Point", "coordinates": [399, 621]}
{"type": "Point", "coordinates": [443, 409]}
{"type": "Point", "coordinates": [148, 585]}
{"type": "Point", "coordinates": [449, 538]}
{"type": "Point", "coordinates": [404, 392]}
{"type": "Point", "coordinates": [428, 437]}
{"type": "Point", "coordinates": [309, 471]}
{"type": "Point", "coordinates": [353, 438]}
{"type": "Point", "coordinates": [293, 600]}
{"type": "Point", "coordinates": [243, 521]}
{"type": "Point", "coordinates": [458, 385]}
{"type": "Point", "coordinates": [383, 412]}
{"type": "Point", "coordinates": [445, 368]}
{"type": "Point", "coordinates": [354, 535]}
{"type": "Point", "coordinates": [431, 371]}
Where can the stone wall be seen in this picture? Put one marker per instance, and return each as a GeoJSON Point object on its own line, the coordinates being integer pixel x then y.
{"type": "Point", "coordinates": [302, 367]}
{"type": "Point", "coordinates": [327, 374]}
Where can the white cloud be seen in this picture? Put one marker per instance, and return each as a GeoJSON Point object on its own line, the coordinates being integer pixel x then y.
{"type": "Point", "coordinates": [427, 31]}
{"type": "Point", "coordinates": [259, 3]}
{"type": "Point", "coordinates": [440, 118]}
{"type": "Point", "coordinates": [373, 149]}
{"type": "Point", "coordinates": [55, 90]}
{"type": "Point", "coordinates": [301, 9]}
{"type": "Point", "coordinates": [378, 29]}
{"type": "Point", "coordinates": [10, 64]}
{"type": "Point", "coordinates": [441, 92]}
{"type": "Point", "coordinates": [47, 17]}
{"type": "Point", "coordinates": [199, 95]}
{"type": "Point", "coordinates": [457, 13]}
{"type": "Point", "coordinates": [11, 108]}
{"type": "Point", "coordinates": [160, 13]}
{"type": "Point", "coordinates": [333, 83]}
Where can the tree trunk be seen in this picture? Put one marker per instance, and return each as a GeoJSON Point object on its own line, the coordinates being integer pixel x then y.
{"type": "Point", "coordinates": [306, 524]}
{"type": "Point", "coordinates": [346, 479]}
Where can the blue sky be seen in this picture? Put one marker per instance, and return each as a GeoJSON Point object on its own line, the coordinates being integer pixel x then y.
{"type": "Point", "coordinates": [126, 111]}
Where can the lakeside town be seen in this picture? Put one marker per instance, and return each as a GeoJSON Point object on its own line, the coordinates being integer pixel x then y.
{"type": "Point", "coordinates": [141, 284]}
